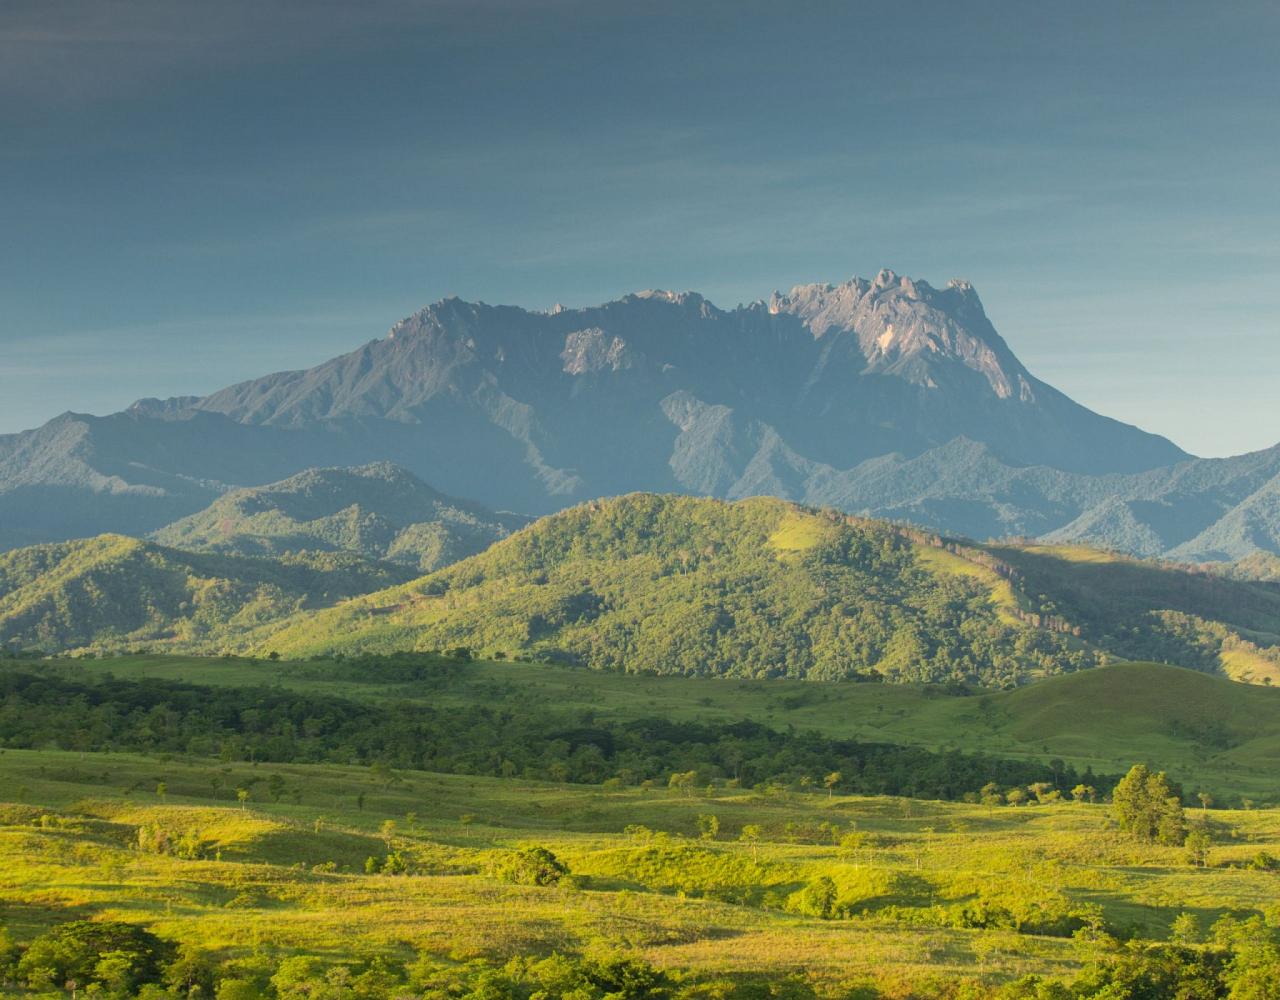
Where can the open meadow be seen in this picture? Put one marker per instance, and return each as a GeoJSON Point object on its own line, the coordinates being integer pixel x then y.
{"type": "Point", "coordinates": [713, 882]}
{"type": "Point", "coordinates": [225, 806]}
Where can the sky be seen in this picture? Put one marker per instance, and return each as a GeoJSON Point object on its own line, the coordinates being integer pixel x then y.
{"type": "Point", "coordinates": [195, 193]}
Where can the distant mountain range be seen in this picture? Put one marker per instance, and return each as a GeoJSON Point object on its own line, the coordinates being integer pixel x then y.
{"type": "Point", "coordinates": [887, 397]}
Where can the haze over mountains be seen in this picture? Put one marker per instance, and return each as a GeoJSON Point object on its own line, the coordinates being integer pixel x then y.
{"type": "Point", "coordinates": [377, 511]}
{"type": "Point", "coordinates": [887, 397]}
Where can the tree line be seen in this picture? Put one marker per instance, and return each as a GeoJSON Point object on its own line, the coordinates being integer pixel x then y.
{"type": "Point", "coordinates": [274, 724]}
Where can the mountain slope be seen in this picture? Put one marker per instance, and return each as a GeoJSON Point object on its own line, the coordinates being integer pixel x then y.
{"type": "Point", "coordinates": [764, 588]}
{"type": "Point", "coordinates": [839, 373]}
{"type": "Point", "coordinates": [888, 397]}
{"type": "Point", "coordinates": [1150, 611]}
{"type": "Point", "coordinates": [378, 511]}
{"type": "Point", "coordinates": [658, 584]}
{"type": "Point", "coordinates": [1260, 566]}
{"type": "Point", "coordinates": [112, 591]}
{"type": "Point", "coordinates": [670, 584]}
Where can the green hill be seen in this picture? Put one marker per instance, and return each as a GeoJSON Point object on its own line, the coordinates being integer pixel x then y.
{"type": "Point", "coordinates": [114, 591]}
{"type": "Point", "coordinates": [763, 588]}
{"type": "Point", "coordinates": [1140, 609]}
{"type": "Point", "coordinates": [378, 511]}
{"type": "Point", "coordinates": [666, 584]}
{"type": "Point", "coordinates": [1260, 565]}
{"type": "Point", "coordinates": [661, 585]}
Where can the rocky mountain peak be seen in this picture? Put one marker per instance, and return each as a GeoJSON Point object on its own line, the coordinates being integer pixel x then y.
{"type": "Point", "coordinates": [825, 393]}
{"type": "Point", "coordinates": [905, 327]}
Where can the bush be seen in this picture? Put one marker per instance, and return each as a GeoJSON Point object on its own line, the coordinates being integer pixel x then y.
{"type": "Point", "coordinates": [530, 866]}
{"type": "Point", "coordinates": [817, 899]}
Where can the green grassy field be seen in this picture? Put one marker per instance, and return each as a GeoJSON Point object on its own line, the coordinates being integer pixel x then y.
{"type": "Point", "coordinates": [287, 877]}
{"type": "Point", "coordinates": [1207, 732]}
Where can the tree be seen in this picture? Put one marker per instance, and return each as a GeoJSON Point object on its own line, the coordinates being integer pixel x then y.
{"type": "Point", "coordinates": [1206, 800]}
{"type": "Point", "coordinates": [8, 952]}
{"type": "Point", "coordinates": [1045, 792]}
{"type": "Point", "coordinates": [708, 826]}
{"type": "Point", "coordinates": [242, 794]}
{"type": "Point", "coordinates": [388, 833]}
{"type": "Point", "coordinates": [1146, 806]}
{"type": "Point", "coordinates": [751, 834]}
{"type": "Point", "coordinates": [1016, 797]}
{"type": "Point", "coordinates": [120, 956]}
{"type": "Point", "coordinates": [831, 781]}
{"type": "Point", "coordinates": [1185, 929]}
{"type": "Point", "coordinates": [853, 842]}
{"type": "Point", "coordinates": [115, 971]}
{"type": "Point", "coordinates": [1198, 844]}
{"type": "Point", "coordinates": [191, 973]}
{"type": "Point", "coordinates": [531, 866]}
{"type": "Point", "coordinates": [298, 977]}
{"type": "Point", "coordinates": [818, 898]}
{"type": "Point", "coordinates": [1084, 793]}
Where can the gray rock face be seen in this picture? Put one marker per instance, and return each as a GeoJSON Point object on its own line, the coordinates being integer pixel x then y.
{"type": "Point", "coordinates": [887, 396]}
{"type": "Point", "coordinates": [841, 373]}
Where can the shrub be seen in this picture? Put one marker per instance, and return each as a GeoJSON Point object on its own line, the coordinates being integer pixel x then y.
{"type": "Point", "coordinates": [530, 866]}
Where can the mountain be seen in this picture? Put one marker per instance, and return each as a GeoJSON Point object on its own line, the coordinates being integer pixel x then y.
{"type": "Point", "coordinates": [379, 511]}
{"type": "Point", "coordinates": [887, 397]}
{"type": "Point", "coordinates": [1197, 510]}
{"type": "Point", "coordinates": [134, 472]}
{"type": "Point", "coordinates": [764, 588]}
{"type": "Point", "coordinates": [117, 592]}
{"type": "Point", "coordinates": [1262, 566]}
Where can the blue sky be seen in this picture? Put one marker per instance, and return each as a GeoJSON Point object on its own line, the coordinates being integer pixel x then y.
{"type": "Point", "coordinates": [195, 193]}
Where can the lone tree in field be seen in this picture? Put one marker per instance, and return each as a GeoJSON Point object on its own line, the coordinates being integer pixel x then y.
{"type": "Point", "coordinates": [531, 866]}
{"type": "Point", "coordinates": [1148, 807]}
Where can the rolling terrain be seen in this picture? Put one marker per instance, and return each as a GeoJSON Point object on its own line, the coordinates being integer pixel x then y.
{"type": "Point", "coordinates": [642, 583]}
{"type": "Point", "coordinates": [380, 512]}
{"type": "Point", "coordinates": [763, 588]}
{"type": "Point", "coordinates": [121, 592]}
{"type": "Point", "coordinates": [1208, 732]}
{"type": "Point", "coordinates": [932, 895]}
{"type": "Point", "coordinates": [252, 855]}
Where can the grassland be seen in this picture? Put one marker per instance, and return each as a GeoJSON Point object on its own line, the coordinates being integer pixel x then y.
{"type": "Point", "coordinates": [287, 877]}
{"type": "Point", "coordinates": [1207, 732]}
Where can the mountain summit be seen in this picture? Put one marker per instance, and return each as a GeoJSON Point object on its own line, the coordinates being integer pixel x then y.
{"type": "Point", "coordinates": [886, 396]}
{"type": "Point", "coordinates": [664, 390]}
